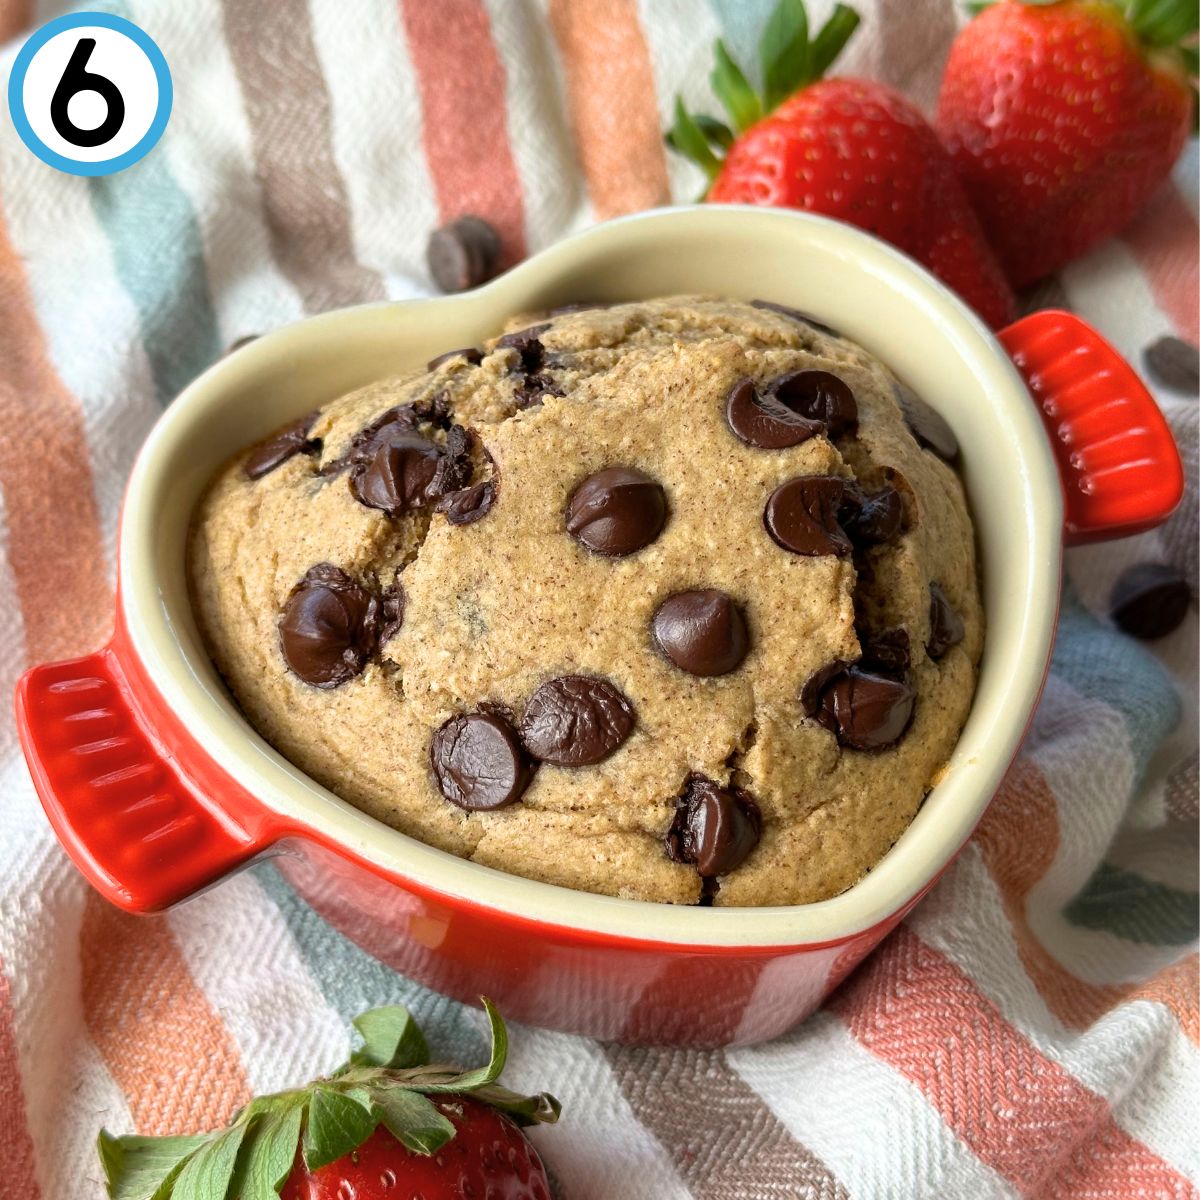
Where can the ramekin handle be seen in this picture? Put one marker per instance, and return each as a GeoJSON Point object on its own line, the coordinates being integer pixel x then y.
{"type": "Point", "coordinates": [1120, 467]}
{"type": "Point", "coordinates": [137, 828]}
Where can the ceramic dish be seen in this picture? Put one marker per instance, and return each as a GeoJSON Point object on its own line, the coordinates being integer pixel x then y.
{"type": "Point", "coordinates": [158, 787]}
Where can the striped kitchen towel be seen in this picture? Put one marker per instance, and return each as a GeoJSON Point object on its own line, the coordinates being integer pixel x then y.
{"type": "Point", "coordinates": [1032, 1030]}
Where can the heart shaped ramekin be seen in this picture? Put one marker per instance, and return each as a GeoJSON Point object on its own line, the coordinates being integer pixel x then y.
{"type": "Point", "coordinates": [158, 787]}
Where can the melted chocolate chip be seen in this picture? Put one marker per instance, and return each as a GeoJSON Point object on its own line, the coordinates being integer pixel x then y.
{"type": "Point", "coordinates": [276, 450]}
{"type": "Point", "coordinates": [819, 396]}
{"type": "Point", "coordinates": [454, 468]}
{"type": "Point", "coordinates": [871, 520]}
{"type": "Point", "coordinates": [945, 625]}
{"type": "Point", "coordinates": [886, 653]}
{"type": "Point", "coordinates": [796, 315]}
{"type": "Point", "coordinates": [468, 353]}
{"type": "Point", "coordinates": [1150, 600]}
{"type": "Point", "coordinates": [926, 424]}
{"type": "Point", "coordinates": [575, 721]}
{"type": "Point", "coordinates": [478, 762]}
{"type": "Point", "coordinates": [814, 685]}
{"type": "Point", "coordinates": [617, 511]}
{"type": "Point", "coordinates": [526, 342]}
{"type": "Point", "coordinates": [801, 515]}
{"type": "Point", "coordinates": [463, 254]}
{"type": "Point", "coordinates": [391, 607]}
{"type": "Point", "coordinates": [865, 710]}
{"type": "Point", "coordinates": [715, 827]}
{"type": "Point", "coordinates": [702, 632]}
{"type": "Point", "coordinates": [398, 476]}
{"type": "Point", "coordinates": [329, 627]}
{"type": "Point", "coordinates": [470, 505]}
{"type": "Point", "coordinates": [435, 409]}
{"type": "Point", "coordinates": [764, 422]}
{"type": "Point", "coordinates": [404, 418]}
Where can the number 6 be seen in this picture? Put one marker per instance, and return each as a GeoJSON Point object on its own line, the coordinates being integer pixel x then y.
{"type": "Point", "coordinates": [77, 78]}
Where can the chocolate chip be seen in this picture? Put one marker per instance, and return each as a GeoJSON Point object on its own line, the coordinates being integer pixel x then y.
{"type": "Point", "coordinates": [871, 520]}
{"type": "Point", "coordinates": [526, 342]}
{"type": "Point", "coordinates": [463, 254]}
{"type": "Point", "coordinates": [435, 409]}
{"type": "Point", "coordinates": [1174, 363]}
{"type": "Point", "coordinates": [886, 653]}
{"type": "Point", "coordinates": [478, 762]}
{"type": "Point", "coordinates": [814, 685]}
{"type": "Point", "coordinates": [454, 468]}
{"type": "Point", "coordinates": [866, 711]}
{"type": "Point", "coordinates": [391, 607]}
{"type": "Point", "coordinates": [796, 315]}
{"type": "Point", "coordinates": [291, 440]}
{"type": "Point", "coordinates": [398, 476]}
{"type": "Point", "coordinates": [1150, 600]}
{"type": "Point", "coordinates": [926, 424]}
{"type": "Point", "coordinates": [469, 354]}
{"type": "Point", "coordinates": [819, 396]}
{"type": "Point", "coordinates": [617, 511]}
{"type": "Point", "coordinates": [701, 632]}
{"type": "Point", "coordinates": [470, 505]}
{"type": "Point", "coordinates": [945, 625]}
{"type": "Point", "coordinates": [404, 418]}
{"type": "Point", "coordinates": [801, 515]}
{"type": "Point", "coordinates": [329, 627]}
{"type": "Point", "coordinates": [575, 721]}
{"type": "Point", "coordinates": [715, 827]}
{"type": "Point", "coordinates": [764, 422]}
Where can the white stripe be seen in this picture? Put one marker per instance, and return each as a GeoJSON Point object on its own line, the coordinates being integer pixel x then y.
{"type": "Point", "coordinates": [243, 958]}
{"type": "Point", "coordinates": [376, 118]}
{"type": "Point", "coordinates": [874, 1129]}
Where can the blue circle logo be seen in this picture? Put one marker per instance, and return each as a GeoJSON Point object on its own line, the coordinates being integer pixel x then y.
{"type": "Point", "coordinates": [90, 93]}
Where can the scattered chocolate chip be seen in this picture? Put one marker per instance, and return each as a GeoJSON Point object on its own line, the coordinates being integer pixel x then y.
{"type": "Point", "coordinates": [533, 389]}
{"type": "Point", "coordinates": [469, 354]}
{"type": "Point", "coordinates": [871, 520]}
{"type": "Point", "coordinates": [435, 409]}
{"type": "Point", "coordinates": [945, 625]}
{"type": "Point", "coordinates": [1150, 600]}
{"type": "Point", "coordinates": [363, 445]}
{"type": "Point", "coordinates": [454, 468]}
{"type": "Point", "coordinates": [814, 685]}
{"type": "Point", "coordinates": [329, 627]}
{"type": "Point", "coordinates": [1174, 363]}
{"type": "Point", "coordinates": [715, 827]}
{"type": "Point", "coordinates": [801, 515]}
{"type": "Point", "coordinates": [886, 653]}
{"type": "Point", "coordinates": [398, 476]}
{"type": "Point", "coordinates": [526, 342]}
{"type": "Point", "coordinates": [470, 505]}
{"type": "Point", "coordinates": [617, 511]}
{"type": "Point", "coordinates": [291, 440]}
{"type": "Point", "coordinates": [391, 606]}
{"type": "Point", "coordinates": [926, 424]}
{"type": "Point", "coordinates": [702, 632]}
{"type": "Point", "coordinates": [764, 422]}
{"type": "Point", "coordinates": [865, 710]}
{"type": "Point", "coordinates": [819, 396]}
{"type": "Point", "coordinates": [575, 721]}
{"type": "Point", "coordinates": [463, 254]}
{"type": "Point", "coordinates": [796, 315]}
{"type": "Point", "coordinates": [478, 762]}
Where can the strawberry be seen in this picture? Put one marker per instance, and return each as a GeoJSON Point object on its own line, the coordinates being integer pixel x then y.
{"type": "Point", "coordinates": [386, 1126]}
{"type": "Point", "coordinates": [847, 148]}
{"type": "Point", "coordinates": [1064, 118]}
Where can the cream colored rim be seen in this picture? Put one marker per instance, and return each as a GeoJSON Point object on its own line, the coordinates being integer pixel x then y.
{"type": "Point", "coordinates": [855, 283]}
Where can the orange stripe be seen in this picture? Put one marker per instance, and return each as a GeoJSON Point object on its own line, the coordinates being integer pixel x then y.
{"type": "Point", "coordinates": [1165, 241]}
{"type": "Point", "coordinates": [614, 109]}
{"type": "Point", "coordinates": [1024, 1116]}
{"type": "Point", "coordinates": [16, 1146]}
{"type": "Point", "coordinates": [163, 1043]}
{"type": "Point", "coordinates": [55, 548]}
{"type": "Point", "coordinates": [464, 113]}
{"type": "Point", "coordinates": [1018, 839]}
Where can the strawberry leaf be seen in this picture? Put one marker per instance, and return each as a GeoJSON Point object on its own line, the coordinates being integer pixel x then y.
{"type": "Point", "coordinates": [542, 1109]}
{"type": "Point", "coordinates": [831, 40]}
{"type": "Point", "coordinates": [337, 1124]}
{"type": "Point", "coordinates": [267, 1155]}
{"type": "Point", "coordinates": [412, 1119]}
{"type": "Point", "coordinates": [391, 1038]}
{"type": "Point", "coordinates": [144, 1168]}
{"type": "Point", "coordinates": [717, 132]}
{"type": "Point", "coordinates": [686, 137]}
{"type": "Point", "coordinates": [783, 52]}
{"type": "Point", "coordinates": [734, 90]}
{"type": "Point", "coordinates": [206, 1175]}
{"type": "Point", "coordinates": [1163, 22]}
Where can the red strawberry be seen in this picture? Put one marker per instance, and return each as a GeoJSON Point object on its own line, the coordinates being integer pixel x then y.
{"type": "Point", "coordinates": [847, 148]}
{"type": "Point", "coordinates": [1064, 118]}
{"type": "Point", "coordinates": [386, 1126]}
